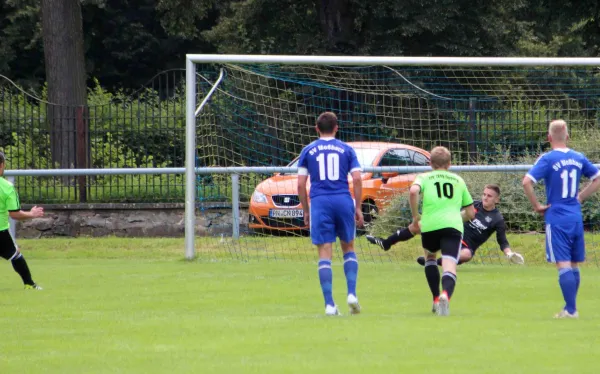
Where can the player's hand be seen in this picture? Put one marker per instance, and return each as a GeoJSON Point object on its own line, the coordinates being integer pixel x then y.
{"type": "Point", "coordinates": [416, 219]}
{"type": "Point", "coordinates": [37, 211]}
{"type": "Point", "coordinates": [515, 258]}
{"type": "Point", "coordinates": [415, 229]}
{"type": "Point", "coordinates": [306, 218]}
{"type": "Point", "coordinates": [541, 209]}
{"type": "Point", "coordinates": [360, 220]}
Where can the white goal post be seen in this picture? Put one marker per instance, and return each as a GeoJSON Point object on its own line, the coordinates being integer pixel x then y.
{"type": "Point", "coordinates": [192, 107]}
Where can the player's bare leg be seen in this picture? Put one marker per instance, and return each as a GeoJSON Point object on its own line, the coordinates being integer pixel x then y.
{"type": "Point", "coordinates": [432, 274]}
{"type": "Point", "coordinates": [448, 282]}
{"type": "Point", "coordinates": [351, 272]}
{"type": "Point", "coordinates": [325, 251]}
{"type": "Point", "coordinates": [465, 256]}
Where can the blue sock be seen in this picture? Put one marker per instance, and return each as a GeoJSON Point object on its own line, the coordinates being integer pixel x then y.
{"type": "Point", "coordinates": [566, 279]}
{"type": "Point", "coordinates": [577, 280]}
{"type": "Point", "coordinates": [326, 279]}
{"type": "Point", "coordinates": [351, 271]}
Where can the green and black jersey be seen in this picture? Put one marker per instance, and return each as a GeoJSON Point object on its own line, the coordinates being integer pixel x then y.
{"type": "Point", "coordinates": [444, 195]}
{"type": "Point", "coordinates": [9, 202]}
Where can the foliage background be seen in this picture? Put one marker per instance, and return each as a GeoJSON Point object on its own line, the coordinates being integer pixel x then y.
{"type": "Point", "coordinates": [127, 42]}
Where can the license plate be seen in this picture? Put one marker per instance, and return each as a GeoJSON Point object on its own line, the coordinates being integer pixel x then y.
{"type": "Point", "coordinates": [286, 213]}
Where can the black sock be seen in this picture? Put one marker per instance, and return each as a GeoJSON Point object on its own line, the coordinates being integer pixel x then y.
{"type": "Point", "coordinates": [20, 266]}
{"type": "Point", "coordinates": [401, 235]}
{"type": "Point", "coordinates": [432, 273]}
{"type": "Point", "coordinates": [448, 283]}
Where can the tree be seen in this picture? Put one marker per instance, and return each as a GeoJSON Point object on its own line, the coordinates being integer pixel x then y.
{"type": "Point", "coordinates": [385, 27]}
{"type": "Point", "coordinates": [65, 75]}
{"type": "Point", "coordinates": [128, 42]}
{"type": "Point", "coordinates": [337, 25]}
{"type": "Point", "coordinates": [561, 28]}
{"type": "Point", "coordinates": [21, 42]}
{"type": "Point", "coordinates": [269, 26]}
{"type": "Point", "coordinates": [181, 17]}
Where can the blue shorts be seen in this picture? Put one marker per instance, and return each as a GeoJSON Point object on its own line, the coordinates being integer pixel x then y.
{"type": "Point", "coordinates": [332, 216]}
{"type": "Point", "coordinates": [565, 242]}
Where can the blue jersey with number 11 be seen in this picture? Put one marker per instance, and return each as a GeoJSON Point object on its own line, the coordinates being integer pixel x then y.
{"type": "Point", "coordinates": [561, 169]}
{"type": "Point", "coordinates": [328, 162]}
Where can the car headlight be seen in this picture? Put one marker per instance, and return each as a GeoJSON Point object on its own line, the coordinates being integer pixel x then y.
{"type": "Point", "coordinates": [259, 197]}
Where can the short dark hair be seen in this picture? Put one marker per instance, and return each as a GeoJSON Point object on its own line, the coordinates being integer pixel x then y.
{"type": "Point", "coordinates": [493, 187]}
{"type": "Point", "coordinates": [2, 158]}
{"type": "Point", "coordinates": [327, 122]}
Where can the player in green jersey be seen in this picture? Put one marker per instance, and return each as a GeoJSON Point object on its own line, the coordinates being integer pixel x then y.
{"type": "Point", "coordinates": [11, 208]}
{"type": "Point", "coordinates": [445, 194]}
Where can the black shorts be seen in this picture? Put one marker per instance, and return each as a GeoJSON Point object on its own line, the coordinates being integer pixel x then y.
{"type": "Point", "coordinates": [8, 246]}
{"type": "Point", "coordinates": [448, 240]}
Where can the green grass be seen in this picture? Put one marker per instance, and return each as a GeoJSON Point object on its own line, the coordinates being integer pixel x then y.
{"type": "Point", "coordinates": [118, 305]}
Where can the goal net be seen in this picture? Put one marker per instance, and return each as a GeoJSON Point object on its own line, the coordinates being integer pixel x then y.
{"type": "Point", "coordinates": [261, 115]}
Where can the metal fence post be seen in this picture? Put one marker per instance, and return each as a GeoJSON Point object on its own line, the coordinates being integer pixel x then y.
{"type": "Point", "coordinates": [472, 129]}
{"type": "Point", "coordinates": [235, 204]}
{"type": "Point", "coordinates": [81, 150]}
{"type": "Point", "coordinates": [13, 223]}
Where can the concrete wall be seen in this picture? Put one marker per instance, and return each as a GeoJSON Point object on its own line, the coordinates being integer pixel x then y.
{"type": "Point", "coordinates": [133, 220]}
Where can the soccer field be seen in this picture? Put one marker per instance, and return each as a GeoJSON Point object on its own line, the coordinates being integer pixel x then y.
{"type": "Point", "coordinates": [107, 309]}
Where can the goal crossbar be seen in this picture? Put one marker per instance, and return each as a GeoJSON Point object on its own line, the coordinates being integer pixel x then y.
{"type": "Point", "coordinates": [392, 60]}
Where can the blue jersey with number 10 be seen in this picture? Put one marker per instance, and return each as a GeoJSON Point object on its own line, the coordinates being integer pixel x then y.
{"type": "Point", "coordinates": [328, 161]}
{"type": "Point", "coordinates": [561, 169]}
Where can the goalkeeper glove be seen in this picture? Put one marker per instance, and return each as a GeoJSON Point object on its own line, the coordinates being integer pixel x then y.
{"type": "Point", "coordinates": [515, 258]}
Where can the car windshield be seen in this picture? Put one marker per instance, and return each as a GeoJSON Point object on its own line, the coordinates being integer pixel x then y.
{"type": "Point", "coordinates": [365, 156]}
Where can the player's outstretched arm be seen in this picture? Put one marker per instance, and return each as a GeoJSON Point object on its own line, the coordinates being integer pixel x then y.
{"type": "Point", "coordinates": [468, 213]}
{"type": "Point", "coordinates": [21, 215]}
{"type": "Point", "coordinates": [463, 214]}
{"type": "Point", "coordinates": [513, 257]}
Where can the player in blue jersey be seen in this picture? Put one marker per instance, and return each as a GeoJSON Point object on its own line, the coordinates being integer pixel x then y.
{"type": "Point", "coordinates": [561, 169]}
{"type": "Point", "coordinates": [332, 211]}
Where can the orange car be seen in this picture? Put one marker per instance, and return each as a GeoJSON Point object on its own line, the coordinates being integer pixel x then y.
{"type": "Point", "coordinates": [275, 205]}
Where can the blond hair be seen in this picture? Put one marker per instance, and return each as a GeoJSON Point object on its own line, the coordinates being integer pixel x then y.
{"type": "Point", "coordinates": [558, 130]}
{"type": "Point", "coordinates": [440, 158]}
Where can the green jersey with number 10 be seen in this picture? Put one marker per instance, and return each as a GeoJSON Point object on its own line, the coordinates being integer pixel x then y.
{"type": "Point", "coordinates": [444, 195]}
